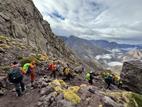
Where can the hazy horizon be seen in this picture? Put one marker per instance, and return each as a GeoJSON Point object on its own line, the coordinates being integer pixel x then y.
{"type": "Point", "coordinates": [119, 21]}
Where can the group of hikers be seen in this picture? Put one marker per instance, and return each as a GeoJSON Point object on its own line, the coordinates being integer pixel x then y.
{"type": "Point", "coordinates": [55, 68]}
{"type": "Point", "coordinates": [17, 73]}
{"type": "Point", "coordinates": [112, 79]}
{"type": "Point", "coordinates": [109, 78]}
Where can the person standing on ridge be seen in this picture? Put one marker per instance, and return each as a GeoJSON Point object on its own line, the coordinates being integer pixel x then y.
{"type": "Point", "coordinates": [15, 76]}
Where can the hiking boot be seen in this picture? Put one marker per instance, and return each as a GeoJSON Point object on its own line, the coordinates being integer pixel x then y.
{"type": "Point", "coordinates": [19, 94]}
{"type": "Point", "coordinates": [23, 89]}
{"type": "Point", "coordinates": [32, 88]}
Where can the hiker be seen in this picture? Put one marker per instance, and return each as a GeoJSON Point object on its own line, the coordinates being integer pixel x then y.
{"type": "Point", "coordinates": [117, 81]}
{"type": "Point", "coordinates": [83, 69]}
{"type": "Point", "coordinates": [109, 80]}
{"type": "Point", "coordinates": [15, 76]}
{"type": "Point", "coordinates": [120, 84]}
{"type": "Point", "coordinates": [29, 70]}
{"type": "Point", "coordinates": [59, 68]}
{"type": "Point", "coordinates": [89, 77]}
{"type": "Point", "coordinates": [52, 68]}
{"type": "Point", "coordinates": [67, 73]}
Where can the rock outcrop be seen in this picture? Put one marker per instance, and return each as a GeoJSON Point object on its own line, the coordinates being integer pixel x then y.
{"type": "Point", "coordinates": [59, 93]}
{"type": "Point", "coordinates": [132, 76]}
{"type": "Point", "coordinates": [20, 19]}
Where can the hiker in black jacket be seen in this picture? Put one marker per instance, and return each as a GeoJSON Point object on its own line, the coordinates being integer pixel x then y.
{"type": "Point", "coordinates": [15, 76]}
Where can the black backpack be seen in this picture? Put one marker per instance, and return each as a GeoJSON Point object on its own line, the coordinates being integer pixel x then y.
{"type": "Point", "coordinates": [14, 74]}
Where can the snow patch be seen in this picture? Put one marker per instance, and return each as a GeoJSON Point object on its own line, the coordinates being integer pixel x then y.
{"type": "Point", "coordinates": [106, 56]}
{"type": "Point", "coordinates": [115, 64]}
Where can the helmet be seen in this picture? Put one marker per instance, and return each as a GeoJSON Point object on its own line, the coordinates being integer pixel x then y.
{"type": "Point", "coordinates": [91, 71]}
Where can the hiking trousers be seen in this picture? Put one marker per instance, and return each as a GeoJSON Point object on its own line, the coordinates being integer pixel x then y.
{"type": "Point", "coordinates": [90, 81]}
{"type": "Point", "coordinates": [108, 82]}
{"type": "Point", "coordinates": [53, 74]}
{"type": "Point", "coordinates": [32, 76]}
{"type": "Point", "coordinates": [19, 85]}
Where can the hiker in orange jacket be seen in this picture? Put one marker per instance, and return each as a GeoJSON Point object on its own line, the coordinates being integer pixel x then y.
{"type": "Point", "coordinates": [29, 69]}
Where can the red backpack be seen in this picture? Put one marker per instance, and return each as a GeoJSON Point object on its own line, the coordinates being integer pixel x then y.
{"type": "Point", "coordinates": [52, 67]}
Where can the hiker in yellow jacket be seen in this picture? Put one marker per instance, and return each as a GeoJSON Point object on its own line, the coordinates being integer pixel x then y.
{"type": "Point", "coordinates": [67, 72]}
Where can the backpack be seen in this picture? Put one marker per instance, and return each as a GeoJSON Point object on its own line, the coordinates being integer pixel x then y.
{"type": "Point", "coordinates": [58, 67]}
{"type": "Point", "coordinates": [66, 70]}
{"type": "Point", "coordinates": [87, 77]}
{"type": "Point", "coordinates": [14, 74]}
{"type": "Point", "coordinates": [53, 67]}
{"type": "Point", "coordinates": [26, 69]}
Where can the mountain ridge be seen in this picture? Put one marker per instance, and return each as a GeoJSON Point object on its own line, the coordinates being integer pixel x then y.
{"type": "Point", "coordinates": [22, 20]}
{"type": "Point", "coordinates": [107, 44]}
{"type": "Point", "coordinates": [85, 50]}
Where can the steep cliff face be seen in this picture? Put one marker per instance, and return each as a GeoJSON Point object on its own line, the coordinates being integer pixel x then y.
{"type": "Point", "coordinates": [20, 19]}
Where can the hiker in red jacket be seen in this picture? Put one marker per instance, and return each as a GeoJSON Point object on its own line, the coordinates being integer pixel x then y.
{"type": "Point", "coordinates": [53, 68]}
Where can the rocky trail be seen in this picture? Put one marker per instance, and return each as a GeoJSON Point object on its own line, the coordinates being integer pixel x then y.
{"type": "Point", "coordinates": [29, 99]}
{"type": "Point", "coordinates": [49, 92]}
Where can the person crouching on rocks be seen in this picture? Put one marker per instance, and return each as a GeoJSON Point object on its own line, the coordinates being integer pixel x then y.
{"type": "Point", "coordinates": [29, 70]}
{"type": "Point", "coordinates": [89, 77]}
{"type": "Point", "coordinates": [15, 76]}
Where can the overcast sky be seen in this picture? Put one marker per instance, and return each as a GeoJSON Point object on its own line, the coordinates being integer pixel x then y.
{"type": "Point", "coordinates": [115, 20]}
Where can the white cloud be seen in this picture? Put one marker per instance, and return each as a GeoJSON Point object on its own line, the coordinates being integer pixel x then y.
{"type": "Point", "coordinates": [94, 19]}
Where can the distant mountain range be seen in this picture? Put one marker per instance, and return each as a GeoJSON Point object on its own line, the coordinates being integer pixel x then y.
{"type": "Point", "coordinates": [111, 45]}
{"type": "Point", "coordinates": [85, 49]}
{"type": "Point", "coordinates": [105, 44]}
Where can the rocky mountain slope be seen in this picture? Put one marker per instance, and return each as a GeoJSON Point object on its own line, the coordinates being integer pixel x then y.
{"type": "Point", "coordinates": [86, 50]}
{"type": "Point", "coordinates": [20, 19]}
{"type": "Point", "coordinates": [25, 36]}
{"type": "Point", "coordinates": [84, 47]}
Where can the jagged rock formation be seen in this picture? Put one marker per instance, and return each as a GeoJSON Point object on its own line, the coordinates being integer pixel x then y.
{"type": "Point", "coordinates": [21, 19]}
{"type": "Point", "coordinates": [24, 33]}
{"type": "Point", "coordinates": [132, 76]}
{"type": "Point", "coordinates": [133, 54]}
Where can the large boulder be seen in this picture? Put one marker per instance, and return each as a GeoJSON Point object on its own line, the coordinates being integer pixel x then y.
{"type": "Point", "coordinates": [131, 76]}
